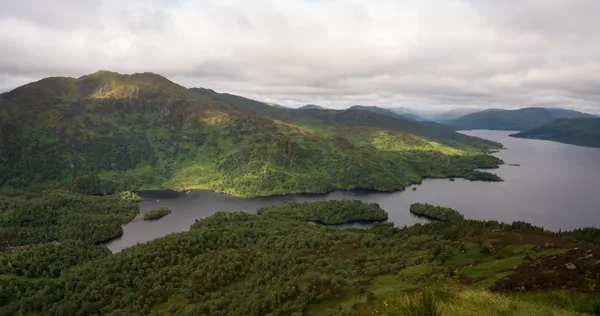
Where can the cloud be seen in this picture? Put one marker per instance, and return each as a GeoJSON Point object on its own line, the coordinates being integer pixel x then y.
{"type": "Point", "coordinates": [429, 53]}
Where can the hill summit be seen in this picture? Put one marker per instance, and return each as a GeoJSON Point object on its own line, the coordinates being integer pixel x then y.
{"type": "Point", "coordinates": [108, 132]}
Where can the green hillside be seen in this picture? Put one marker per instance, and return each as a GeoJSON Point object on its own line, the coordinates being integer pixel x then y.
{"type": "Point", "coordinates": [385, 112]}
{"type": "Point", "coordinates": [512, 120]}
{"type": "Point", "coordinates": [108, 132]}
{"type": "Point", "coordinates": [579, 131]}
{"type": "Point", "coordinates": [333, 119]}
{"type": "Point", "coordinates": [276, 263]}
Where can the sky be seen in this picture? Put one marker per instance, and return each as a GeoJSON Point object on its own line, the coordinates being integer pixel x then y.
{"type": "Point", "coordinates": [427, 54]}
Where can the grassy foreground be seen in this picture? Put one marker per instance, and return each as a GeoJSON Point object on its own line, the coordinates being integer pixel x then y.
{"type": "Point", "coordinates": [451, 300]}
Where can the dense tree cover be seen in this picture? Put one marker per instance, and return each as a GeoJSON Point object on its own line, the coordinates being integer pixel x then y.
{"type": "Point", "coordinates": [273, 263]}
{"type": "Point", "coordinates": [329, 212]}
{"type": "Point", "coordinates": [576, 131]}
{"type": "Point", "coordinates": [587, 235]}
{"type": "Point", "coordinates": [47, 234]}
{"type": "Point", "coordinates": [61, 216]}
{"type": "Point", "coordinates": [477, 175]}
{"type": "Point", "coordinates": [385, 112]}
{"type": "Point", "coordinates": [48, 259]}
{"type": "Point", "coordinates": [20, 296]}
{"type": "Point", "coordinates": [434, 212]}
{"type": "Point", "coordinates": [156, 213]}
{"type": "Point", "coordinates": [106, 132]}
{"type": "Point", "coordinates": [513, 120]}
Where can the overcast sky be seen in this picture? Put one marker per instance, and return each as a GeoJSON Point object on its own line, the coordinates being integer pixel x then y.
{"type": "Point", "coordinates": [426, 53]}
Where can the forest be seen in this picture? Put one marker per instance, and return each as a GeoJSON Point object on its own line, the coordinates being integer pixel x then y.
{"type": "Point", "coordinates": [329, 212]}
{"type": "Point", "coordinates": [58, 216]}
{"type": "Point", "coordinates": [276, 263]}
{"type": "Point", "coordinates": [156, 213]}
{"type": "Point", "coordinates": [438, 213]}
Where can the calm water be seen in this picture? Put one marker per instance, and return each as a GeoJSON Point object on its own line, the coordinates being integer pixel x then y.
{"type": "Point", "coordinates": [556, 186]}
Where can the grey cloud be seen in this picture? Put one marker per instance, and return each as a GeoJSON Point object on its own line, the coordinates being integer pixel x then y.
{"type": "Point", "coordinates": [428, 54]}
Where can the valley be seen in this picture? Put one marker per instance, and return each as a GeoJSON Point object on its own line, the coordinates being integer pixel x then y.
{"type": "Point", "coordinates": [250, 209]}
{"type": "Point", "coordinates": [505, 201]}
{"type": "Point", "coordinates": [299, 158]}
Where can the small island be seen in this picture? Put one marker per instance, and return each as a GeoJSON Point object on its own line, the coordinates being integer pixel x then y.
{"type": "Point", "coordinates": [156, 213]}
{"type": "Point", "coordinates": [477, 175]}
{"type": "Point", "coordinates": [437, 213]}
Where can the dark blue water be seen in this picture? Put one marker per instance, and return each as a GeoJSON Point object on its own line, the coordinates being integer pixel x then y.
{"type": "Point", "coordinates": [556, 186]}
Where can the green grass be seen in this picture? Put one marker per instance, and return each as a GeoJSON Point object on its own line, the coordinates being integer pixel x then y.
{"type": "Point", "coordinates": [580, 302]}
{"type": "Point", "coordinates": [489, 280]}
{"type": "Point", "coordinates": [492, 267]}
{"type": "Point", "coordinates": [452, 300]}
{"type": "Point", "coordinates": [405, 279]}
{"type": "Point", "coordinates": [472, 255]}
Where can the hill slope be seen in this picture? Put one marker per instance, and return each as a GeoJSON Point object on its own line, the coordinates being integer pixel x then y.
{"type": "Point", "coordinates": [385, 112]}
{"type": "Point", "coordinates": [578, 131]}
{"type": "Point", "coordinates": [434, 115]}
{"type": "Point", "coordinates": [276, 263]}
{"type": "Point", "coordinates": [513, 120]}
{"type": "Point", "coordinates": [107, 132]}
{"type": "Point", "coordinates": [350, 118]}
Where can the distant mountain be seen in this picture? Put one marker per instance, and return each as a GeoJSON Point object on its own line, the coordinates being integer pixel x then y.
{"type": "Point", "coordinates": [576, 131]}
{"type": "Point", "coordinates": [433, 114]}
{"type": "Point", "coordinates": [279, 106]}
{"type": "Point", "coordinates": [512, 120]}
{"type": "Point", "coordinates": [312, 107]}
{"type": "Point", "coordinates": [386, 112]}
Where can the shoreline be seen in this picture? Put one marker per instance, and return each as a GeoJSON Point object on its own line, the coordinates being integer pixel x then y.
{"type": "Point", "coordinates": [169, 193]}
{"type": "Point", "coordinates": [432, 218]}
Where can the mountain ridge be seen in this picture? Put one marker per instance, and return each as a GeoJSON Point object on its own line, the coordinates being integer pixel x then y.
{"type": "Point", "coordinates": [520, 119]}
{"type": "Point", "coordinates": [576, 131]}
{"type": "Point", "coordinates": [107, 132]}
{"type": "Point", "coordinates": [312, 107]}
{"type": "Point", "coordinates": [385, 112]}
